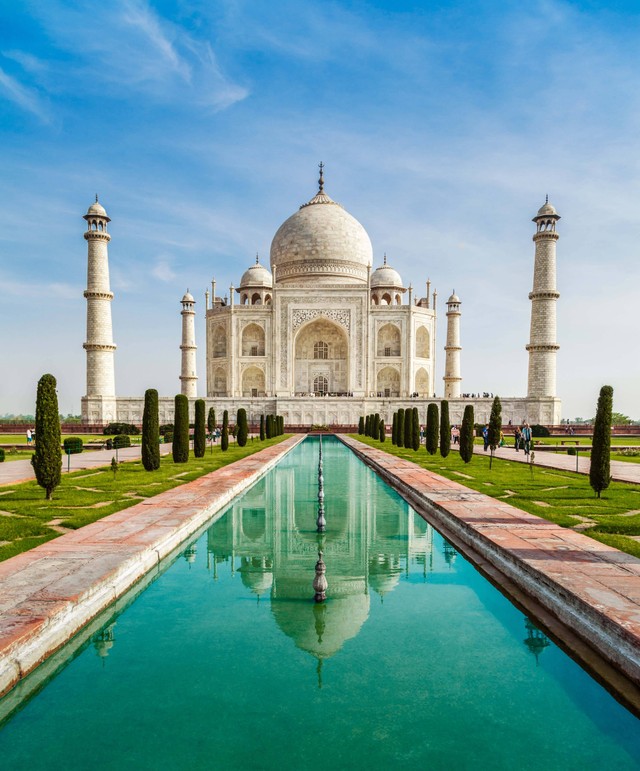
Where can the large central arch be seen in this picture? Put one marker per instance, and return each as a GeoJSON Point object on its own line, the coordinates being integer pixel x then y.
{"type": "Point", "coordinates": [321, 350]}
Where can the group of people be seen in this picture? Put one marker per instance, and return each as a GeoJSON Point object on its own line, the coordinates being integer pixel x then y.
{"type": "Point", "coordinates": [522, 438]}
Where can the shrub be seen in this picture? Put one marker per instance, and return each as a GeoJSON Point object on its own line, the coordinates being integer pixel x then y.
{"type": "Point", "coordinates": [164, 428]}
{"type": "Point", "coordinates": [467, 432]}
{"type": "Point", "coordinates": [571, 451]}
{"type": "Point", "coordinates": [243, 429]}
{"type": "Point", "coordinates": [168, 437]}
{"type": "Point", "coordinates": [1, 455]}
{"type": "Point", "coordinates": [432, 429]}
{"type": "Point", "coordinates": [400, 428]}
{"type": "Point", "coordinates": [46, 460]}
{"type": "Point", "coordinates": [72, 445]}
{"type": "Point", "coordinates": [199, 430]}
{"type": "Point", "coordinates": [445, 429]}
{"type": "Point", "coordinates": [600, 468]}
{"type": "Point", "coordinates": [224, 437]}
{"type": "Point", "coordinates": [150, 431]}
{"type": "Point", "coordinates": [120, 441]}
{"type": "Point", "coordinates": [120, 428]}
{"type": "Point", "coordinates": [538, 430]}
{"type": "Point", "coordinates": [180, 449]}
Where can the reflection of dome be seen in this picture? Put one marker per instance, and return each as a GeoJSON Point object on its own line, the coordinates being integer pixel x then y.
{"type": "Point", "coordinates": [256, 276]}
{"type": "Point", "coordinates": [386, 277]}
{"type": "Point", "coordinates": [324, 631]}
{"type": "Point", "coordinates": [256, 574]}
{"type": "Point", "coordinates": [321, 241]}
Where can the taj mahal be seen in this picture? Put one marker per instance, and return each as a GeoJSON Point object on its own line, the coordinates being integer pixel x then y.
{"type": "Point", "coordinates": [321, 337]}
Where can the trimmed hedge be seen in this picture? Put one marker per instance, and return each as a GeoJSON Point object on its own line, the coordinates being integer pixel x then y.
{"type": "Point", "coordinates": [120, 441]}
{"type": "Point", "coordinates": [1, 455]}
{"type": "Point", "coordinates": [72, 445]}
{"type": "Point", "coordinates": [538, 430]}
{"type": "Point", "coordinates": [120, 428]}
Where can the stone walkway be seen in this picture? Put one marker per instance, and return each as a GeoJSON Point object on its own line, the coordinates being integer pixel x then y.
{"type": "Point", "coordinates": [14, 471]}
{"type": "Point", "coordinates": [593, 590]}
{"type": "Point", "coordinates": [49, 593]}
{"type": "Point", "coordinates": [621, 471]}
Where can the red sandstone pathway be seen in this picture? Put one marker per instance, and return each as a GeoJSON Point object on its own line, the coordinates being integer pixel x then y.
{"type": "Point", "coordinates": [621, 471]}
{"type": "Point", "coordinates": [49, 593]}
{"type": "Point", "coordinates": [591, 587]}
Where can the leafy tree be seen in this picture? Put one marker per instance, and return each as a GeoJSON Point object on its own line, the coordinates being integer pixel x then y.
{"type": "Point", "coordinates": [361, 426]}
{"type": "Point", "coordinates": [415, 429]}
{"type": "Point", "coordinates": [224, 436]}
{"type": "Point", "coordinates": [211, 420]}
{"type": "Point", "coordinates": [262, 433]}
{"type": "Point", "coordinates": [150, 431]}
{"type": "Point", "coordinates": [114, 466]}
{"type": "Point", "coordinates": [382, 433]}
{"type": "Point", "coordinates": [618, 419]}
{"type": "Point", "coordinates": [243, 428]}
{"type": "Point", "coordinates": [495, 426]}
{"type": "Point", "coordinates": [400, 428]}
{"type": "Point", "coordinates": [467, 433]}
{"type": "Point", "coordinates": [46, 459]}
{"type": "Point", "coordinates": [600, 469]}
{"type": "Point", "coordinates": [431, 440]}
{"type": "Point", "coordinates": [445, 429]}
{"type": "Point", "coordinates": [180, 446]}
{"type": "Point", "coordinates": [408, 428]}
{"type": "Point", "coordinates": [199, 430]}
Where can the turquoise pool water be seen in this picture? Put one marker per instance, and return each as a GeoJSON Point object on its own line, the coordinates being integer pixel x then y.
{"type": "Point", "coordinates": [415, 660]}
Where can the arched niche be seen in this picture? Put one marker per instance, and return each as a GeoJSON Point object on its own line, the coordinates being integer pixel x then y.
{"type": "Point", "coordinates": [388, 340]}
{"type": "Point", "coordinates": [253, 382]}
{"type": "Point", "coordinates": [388, 382]}
{"type": "Point", "coordinates": [218, 342]}
{"type": "Point", "coordinates": [423, 343]}
{"type": "Point", "coordinates": [422, 382]}
{"type": "Point", "coordinates": [321, 349]}
{"type": "Point", "coordinates": [219, 381]}
{"type": "Point", "coordinates": [253, 340]}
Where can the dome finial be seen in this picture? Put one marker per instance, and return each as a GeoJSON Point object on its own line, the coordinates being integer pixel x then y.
{"type": "Point", "coordinates": [321, 180]}
{"type": "Point", "coordinates": [257, 259]}
{"type": "Point", "coordinates": [546, 200]}
{"type": "Point", "coordinates": [384, 261]}
{"type": "Point", "coordinates": [96, 198]}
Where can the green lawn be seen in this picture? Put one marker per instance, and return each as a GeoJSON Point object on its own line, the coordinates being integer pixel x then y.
{"type": "Point", "coordinates": [87, 495]}
{"type": "Point", "coordinates": [562, 497]}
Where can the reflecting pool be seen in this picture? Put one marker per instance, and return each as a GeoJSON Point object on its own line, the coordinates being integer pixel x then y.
{"type": "Point", "coordinates": [414, 661]}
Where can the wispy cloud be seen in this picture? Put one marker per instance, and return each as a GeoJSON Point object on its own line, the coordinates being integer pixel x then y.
{"type": "Point", "coordinates": [28, 99]}
{"type": "Point", "coordinates": [162, 271]}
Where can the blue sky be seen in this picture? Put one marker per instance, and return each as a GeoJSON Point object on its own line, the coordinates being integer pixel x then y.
{"type": "Point", "coordinates": [442, 126]}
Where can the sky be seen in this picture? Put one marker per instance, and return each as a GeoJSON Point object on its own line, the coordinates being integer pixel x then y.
{"type": "Point", "coordinates": [200, 125]}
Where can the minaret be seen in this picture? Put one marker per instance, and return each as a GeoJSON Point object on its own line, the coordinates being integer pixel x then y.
{"type": "Point", "coordinates": [188, 378]}
{"type": "Point", "coordinates": [99, 345]}
{"type": "Point", "coordinates": [542, 341]}
{"type": "Point", "coordinates": [452, 378]}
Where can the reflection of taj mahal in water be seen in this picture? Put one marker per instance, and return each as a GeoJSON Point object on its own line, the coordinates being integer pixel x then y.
{"type": "Point", "coordinates": [322, 322]}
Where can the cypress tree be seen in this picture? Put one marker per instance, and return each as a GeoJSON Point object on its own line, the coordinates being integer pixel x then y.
{"type": "Point", "coordinates": [467, 433]}
{"type": "Point", "coordinates": [415, 429]}
{"type": "Point", "coordinates": [180, 447]}
{"type": "Point", "coordinates": [400, 428]}
{"type": "Point", "coordinates": [211, 420]}
{"type": "Point", "coordinates": [382, 433]}
{"type": "Point", "coordinates": [366, 426]}
{"type": "Point", "coordinates": [495, 426]}
{"type": "Point", "coordinates": [376, 426]}
{"type": "Point", "coordinates": [150, 431]}
{"type": "Point", "coordinates": [408, 428]}
{"type": "Point", "coordinates": [361, 426]}
{"type": "Point", "coordinates": [262, 433]}
{"type": "Point", "coordinates": [243, 428]}
{"type": "Point", "coordinates": [600, 468]}
{"type": "Point", "coordinates": [199, 430]}
{"type": "Point", "coordinates": [224, 436]}
{"type": "Point", "coordinates": [432, 429]}
{"type": "Point", "coordinates": [47, 459]}
{"type": "Point", "coordinates": [394, 428]}
{"type": "Point", "coordinates": [281, 422]}
{"type": "Point", "coordinates": [445, 429]}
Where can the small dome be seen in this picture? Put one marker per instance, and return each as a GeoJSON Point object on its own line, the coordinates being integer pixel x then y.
{"type": "Point", "coordinates": [257, 275]}
{"type": "Point", "coordinates": [97, 210]}
{"type": "Point", "coordinates": [386, 276]}
{"type": "Point", "coordinates": [547, 210]}
{"type": "Point", "coordinates": [454, 298]}
{"type": "Point", "coordinates": [188, 298]}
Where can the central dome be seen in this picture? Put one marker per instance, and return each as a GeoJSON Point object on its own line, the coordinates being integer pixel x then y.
{"type": "Point", "coordinates": [321, 242]}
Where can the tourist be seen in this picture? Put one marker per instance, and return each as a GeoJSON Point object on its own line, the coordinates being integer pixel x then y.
{"type": "Point", "coordinates": [526, 438]}
{"type": "Point", "coordinates": [485, 436]}
{"type": "Point", "coordinates": [28, 436]}
{"type": "Point", "coordinates": [518, 436]}
{"type": "Point", "coordinates": [455, 435]}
